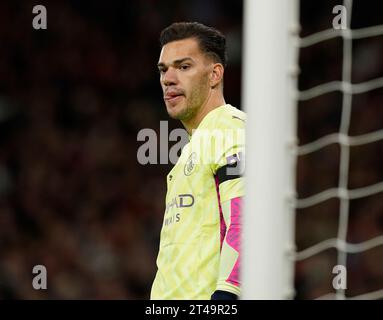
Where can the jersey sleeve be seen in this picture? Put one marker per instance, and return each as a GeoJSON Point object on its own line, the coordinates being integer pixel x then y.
{"type": "Point", "coordinates": [228, 169]}
{"type": "Point", "coordinates": [228, 159]}
{"type": "Point", "coordinates": [228, 277]}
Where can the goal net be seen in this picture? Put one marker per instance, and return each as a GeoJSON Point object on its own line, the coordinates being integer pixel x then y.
{"type": "Point", "coordinates": [313, 224]}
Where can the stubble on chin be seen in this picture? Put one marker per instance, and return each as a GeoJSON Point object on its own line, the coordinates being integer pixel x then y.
{"type": "Point", "coordinates": [183, 114]}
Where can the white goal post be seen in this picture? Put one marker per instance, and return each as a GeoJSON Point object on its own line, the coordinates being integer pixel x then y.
{"type": "Point", "coordinates": [270, 71]}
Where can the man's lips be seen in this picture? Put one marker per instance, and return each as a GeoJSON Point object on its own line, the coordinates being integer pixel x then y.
{"type": "Point", "coordinates": [172, 96]}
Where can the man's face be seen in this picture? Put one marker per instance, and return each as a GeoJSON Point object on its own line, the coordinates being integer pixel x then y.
{"type": "Point", "coordinates": [184, 76]}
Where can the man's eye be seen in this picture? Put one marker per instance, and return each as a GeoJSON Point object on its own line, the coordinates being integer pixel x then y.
{"type": "Point", "coordinates": [184, 67]}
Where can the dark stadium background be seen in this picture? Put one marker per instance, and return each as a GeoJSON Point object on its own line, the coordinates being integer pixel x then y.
{"type": "Point", "coordinates": [72, 100]}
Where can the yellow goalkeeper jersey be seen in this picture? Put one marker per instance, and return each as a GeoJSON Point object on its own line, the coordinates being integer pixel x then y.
{"type": "Point", "coordinates": [199, 241]}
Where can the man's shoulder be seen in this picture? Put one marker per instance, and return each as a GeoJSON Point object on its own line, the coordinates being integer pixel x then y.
{"type": "Point", "coordinates": [230, 117]}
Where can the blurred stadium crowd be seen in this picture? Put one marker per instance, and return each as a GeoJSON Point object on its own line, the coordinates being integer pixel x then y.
{"type": "Point", "coordinates": [72, 100]}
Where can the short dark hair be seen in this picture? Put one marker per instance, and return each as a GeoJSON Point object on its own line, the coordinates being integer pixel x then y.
{"type": "Point", "coordinates": [211, 41]}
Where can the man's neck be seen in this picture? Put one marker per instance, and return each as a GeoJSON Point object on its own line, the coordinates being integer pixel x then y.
{"type": "Point", "coordinates": [211, 104]}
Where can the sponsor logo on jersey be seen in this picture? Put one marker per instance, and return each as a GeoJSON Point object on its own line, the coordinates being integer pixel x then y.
{"type": "Point", "coordinates": [180, 201]}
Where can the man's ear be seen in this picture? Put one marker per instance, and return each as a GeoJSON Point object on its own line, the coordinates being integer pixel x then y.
{"type": "Point", "coordinates": [216, 75]}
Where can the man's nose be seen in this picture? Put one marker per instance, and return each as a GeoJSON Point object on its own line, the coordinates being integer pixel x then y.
{"type": "Point", "coordinates": [169, 77]}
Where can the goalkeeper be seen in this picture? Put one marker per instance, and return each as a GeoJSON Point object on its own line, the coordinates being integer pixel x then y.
{"type": "Point", "coordinates": [199, 250]}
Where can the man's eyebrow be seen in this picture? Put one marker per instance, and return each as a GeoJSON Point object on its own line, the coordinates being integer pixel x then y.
{"type": "Point", "coordinates": [175, 62]}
